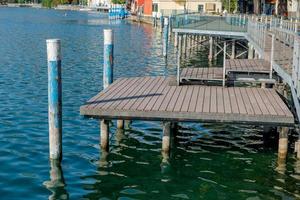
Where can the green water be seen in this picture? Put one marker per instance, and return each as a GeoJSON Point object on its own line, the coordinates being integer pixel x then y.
{"type": "Point", "coordinates": [208, 161]}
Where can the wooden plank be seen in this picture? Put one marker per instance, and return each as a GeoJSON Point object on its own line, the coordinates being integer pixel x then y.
{"type": "Point", "coordinates": [180, 100]}
{"type": "Point", "coordinates": [146, 92]}
{"type": "Point", "coordinates": [200, 99]}
{"type": "Point", "coordinates": [107, 100]}
{"type": "Point", "coordinates": [226, 101]}
{"type": "Point", "coordinates": [153, 101]}
{"type": "Point", "coordinates": [246, 101]}
{"type": "Point", "coordinates": [240, 101]}
{"type": "Point", "coordinates": [267, 102]}
{"type": "Point", "coordinates": [220, 103]}
{"type": "Point", "coordinates": [275, 105]}
{"type": "Point", "coordinates": [206, 103]}
{"type": "Point", "coordinates": [194, 98]}
{"type": "Point", "coordinates": [254, 103]}
{"type": "Point", "coordinates": [174, 99]}
{"type": "Point", "coordinates": [213, 100]}
{"type": "Point", "coordinates": [233, 101]}
{"type": "Point", "coordinates": [261, 103]}
{"type": "Point", "coordinates": [187, 99]}
{"type": "Point", "coordinates": [131, 92]}
{"type": "Point", "coordinates": [109, 90]}
{"type": "Point", "coordinates": [163, 101]}
{"type": "Point", "coordinates": [282, 105]}
{"type": "Point", "coordinates": [140, 89]}
{"type": "Point", "coordinates": [156, 92]}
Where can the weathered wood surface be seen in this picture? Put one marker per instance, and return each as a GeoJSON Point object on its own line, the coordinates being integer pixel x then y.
{"type": "Point", "coordinates": [232, 65]}
{"type": "Point", "coordinates": [247, 65]}
{"type": "Point", "coordinates": [151, 98]}
{"type": "Point", "coordinates": [211, 74]}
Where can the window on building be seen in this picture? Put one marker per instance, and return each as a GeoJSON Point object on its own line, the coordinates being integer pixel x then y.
{"type": "Point", "coordinates": [154, 7]}
{"type": "Point", "coordinates": [200, 8]}
{"type": "Point", "coordinates": [210, 7]}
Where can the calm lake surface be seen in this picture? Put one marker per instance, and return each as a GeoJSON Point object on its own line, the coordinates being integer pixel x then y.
{"type": "Point", "coordinates": [210, 161]}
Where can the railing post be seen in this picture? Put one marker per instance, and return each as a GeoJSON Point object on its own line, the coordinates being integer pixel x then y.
{"type": "Point", "coordinates": [179, 58]}
{"type": "Point", "coordinates": [272, 56]}
{"type": "Point", "coordinates": [54, 99]}
{"type": "Point", "coordinates": [224, 64]}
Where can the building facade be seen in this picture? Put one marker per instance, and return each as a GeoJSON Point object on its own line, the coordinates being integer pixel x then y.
{"type": "Point", "coordinates": [166, 7]}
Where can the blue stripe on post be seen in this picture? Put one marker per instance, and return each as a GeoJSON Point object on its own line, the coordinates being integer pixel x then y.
{"type": "Point", "coordinates": [108, 58]}
{"type": "Point", "coordinates": [54, 92]}
{"type": "Point", "coordinates": [54, 99]}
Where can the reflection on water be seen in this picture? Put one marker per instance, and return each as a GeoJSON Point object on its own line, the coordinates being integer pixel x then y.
{"type": "Point", "coordinates": [209, 161]}
{"type": "Point", "coordinates": [57, 182]}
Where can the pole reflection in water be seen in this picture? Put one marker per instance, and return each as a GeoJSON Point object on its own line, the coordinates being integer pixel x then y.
{"type": "Point", "coordinates": [57, 183]}
{"type": "Point", "coordinates": [281, 166]}
{"type": "Point", "coordinates": [119, 136]}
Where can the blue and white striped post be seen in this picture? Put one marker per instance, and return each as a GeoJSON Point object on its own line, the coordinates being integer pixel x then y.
{"type": "Point", "coordinates": [165, 36]}
{"type": "Point", "coordinates": [54, 98]}
{"type": "Point", "coordinates": [108, 58]}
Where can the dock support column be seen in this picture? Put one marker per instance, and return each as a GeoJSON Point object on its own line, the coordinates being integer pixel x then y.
{"type": "Point", "coordinates": [283, 143]}
{"type": "Point", "coordinates": [250, 51]}
{"type": "Point", "coordinates": [166, 140]}
{"type": "Point", "coordinates": [104, 137]}
{"type": "Point", "coordinates": [120, 124]}
{"type": "Point", "coordinates": [210, 55]}
{"type": "Point", "coordinates": [54, 99]}
{"type": "Point", "coordinates": [165, 36]}
{"type": "Point", "coordinates": [108, 59]}
{"type": "Point", "coordinates": [233, 50]}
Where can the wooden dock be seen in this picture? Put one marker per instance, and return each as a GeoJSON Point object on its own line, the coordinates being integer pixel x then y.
{"type": "Point", "coordinates": [151, 98]}
{"type": "Point", "coordinates": [237, 66]}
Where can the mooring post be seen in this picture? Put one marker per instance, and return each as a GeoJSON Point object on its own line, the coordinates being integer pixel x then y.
{"type": "Point", "coordinates": [108, 58]}
{"type": "Point", "coordinates": [283, 142]}
{"type": "Point", "coordinates": [54, 98]}
{"type": "Point", "coordinates": [165, 36]}
{"type": "Point", "coordinates": [166, 140]}
{"type": "Point", "coordinates": [161, 23]}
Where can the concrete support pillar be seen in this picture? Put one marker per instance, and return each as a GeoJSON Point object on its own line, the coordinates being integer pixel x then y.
{"type": "Point", "coordinates": [233, 50]}
{"type": "Point", "coordinates": [104, 134]}
{"type": "Point", "coordinates": [120, 124]}
{"type": "Point", "coordinates": [166, 140]}
{"type": "Point", "coordinates": [283, 143]}
{"type": "Point", "coordinates": [210, 55]}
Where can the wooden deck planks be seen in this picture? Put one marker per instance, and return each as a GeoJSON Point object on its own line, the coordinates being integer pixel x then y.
{"type": "Point", "coordinates": [152, 98]}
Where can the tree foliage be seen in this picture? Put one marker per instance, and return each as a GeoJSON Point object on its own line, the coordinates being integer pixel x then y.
{"type": "Point", "coordinates": [232, 3]}
{"type": "Point", "coordinates": [118, 1]}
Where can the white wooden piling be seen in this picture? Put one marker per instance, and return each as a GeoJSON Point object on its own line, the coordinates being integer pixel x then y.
{"type": "Point", "coordinates": [108, 59]}
{"type": "Point", "coordinates": [272, 56]}
{"type": "Point", "coordinates": [165, 36]}
{"type": "Point", "coordinates": [166, 140]}
{"type": "Point", "coordinates": [283, 142]}
{"type": "Point", "coordinates": [104, 136]}
{"type": "Point", "coordinates": [54, 98]}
